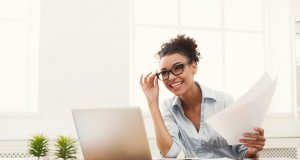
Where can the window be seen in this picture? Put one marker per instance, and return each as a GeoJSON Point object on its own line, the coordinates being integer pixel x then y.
{"type": "Point", "coordinates": [237, 40]}
{"type": "Point", "coordinates": [19, 30]}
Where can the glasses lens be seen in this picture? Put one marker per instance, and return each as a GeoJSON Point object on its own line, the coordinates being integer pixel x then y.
{"type": "Point", "coordinates": [178, 69]}
{"type": "Point", "coordinates": [164, 75]}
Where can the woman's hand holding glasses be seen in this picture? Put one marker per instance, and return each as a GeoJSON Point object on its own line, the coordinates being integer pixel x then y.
{"type": "Point", "coordinates": [149, 84]}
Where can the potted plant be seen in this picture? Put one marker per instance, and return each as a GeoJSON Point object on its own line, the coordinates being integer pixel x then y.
{"type": "Point", "coordinates": [66, 147]}
{"type": "Point", "coordinates": [38, 146]}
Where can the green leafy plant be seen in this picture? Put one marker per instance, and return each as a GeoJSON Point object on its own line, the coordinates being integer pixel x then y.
{"type": "Point", "coordinates": [66, 147]}
{"type": "Point", "coordinates": [38, 146]}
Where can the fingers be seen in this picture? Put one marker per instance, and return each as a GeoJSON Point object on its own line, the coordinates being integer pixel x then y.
{"type": "Point", "coordinates": [148, 78]}
{"type": "Point", "coordinates": [260, 131]}
{"type": "Point", "coordinates": [143, 79]}
{"type": "Point", "coordinates": [258, 145]}
{"type": "Point", "coordinates": [249, 141]}
{"type": "Point", "coordinates": [255, 136]}
{"type": "Point", "coordinates": [151, 78]}
{"type": "Point", "coordinates": [259, 136]}
{"type": "Point", "coordinates": [254, 140]}
{"type": "Point", "coordinates": [156, 79]}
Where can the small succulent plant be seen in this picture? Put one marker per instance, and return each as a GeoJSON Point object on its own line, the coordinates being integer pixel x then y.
{"type": "Point", "coordinates": [66, 147]}
{"type": "Point", "coordinates": [38, 146]}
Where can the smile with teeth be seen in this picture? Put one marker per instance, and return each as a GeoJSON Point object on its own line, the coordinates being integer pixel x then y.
{"type": "Point", "coordinates": [176, 84]}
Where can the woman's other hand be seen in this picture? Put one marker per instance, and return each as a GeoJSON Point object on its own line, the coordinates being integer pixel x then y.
{"type": "Point", "coordinates": [149, 84]}
{"type": "Point", "coordinates": [255, 142]}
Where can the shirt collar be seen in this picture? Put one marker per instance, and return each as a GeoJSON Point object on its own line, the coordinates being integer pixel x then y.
{"type": "Point", "coordinates": [206, 94]}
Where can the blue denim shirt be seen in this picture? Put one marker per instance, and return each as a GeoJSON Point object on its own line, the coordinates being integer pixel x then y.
{"type": "Point", "coordinates": [206, 143]}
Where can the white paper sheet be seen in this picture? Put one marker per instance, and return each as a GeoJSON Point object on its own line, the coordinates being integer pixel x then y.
{"type": "Point", "coordinates": [245, 113]}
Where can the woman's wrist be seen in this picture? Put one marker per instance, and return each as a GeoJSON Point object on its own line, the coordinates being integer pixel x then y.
{"type": "Point", "coordinates": [152, 102]}
{"type": "Point", "coordinates": [249, 155]}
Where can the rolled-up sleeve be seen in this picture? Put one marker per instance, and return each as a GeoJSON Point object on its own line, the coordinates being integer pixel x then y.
{"type": "Point", "coordinates": [173, 130]}
{"type": "Point", "coordinates": [239, 150]}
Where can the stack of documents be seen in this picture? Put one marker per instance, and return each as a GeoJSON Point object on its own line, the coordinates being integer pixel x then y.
{"type": "Point", "coordinates": [245, 113]}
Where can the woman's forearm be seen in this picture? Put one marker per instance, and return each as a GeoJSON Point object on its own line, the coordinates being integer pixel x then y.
{"type": "Point", "coordinates": [163, 138]}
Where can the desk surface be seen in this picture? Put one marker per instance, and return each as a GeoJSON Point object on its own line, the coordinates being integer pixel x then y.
{"type": "Point", "coordinates": [164, 159]}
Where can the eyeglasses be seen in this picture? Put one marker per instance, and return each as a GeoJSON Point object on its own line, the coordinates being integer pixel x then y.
{"type": "Point", "coordinates": [176, 70]}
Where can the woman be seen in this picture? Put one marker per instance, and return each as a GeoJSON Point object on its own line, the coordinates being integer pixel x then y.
{"type": "Point", "coordinates": [179, 121]}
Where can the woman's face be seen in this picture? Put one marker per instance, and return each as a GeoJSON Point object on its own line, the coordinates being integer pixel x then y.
{"type": "Point", "coordinates": [177, 63]}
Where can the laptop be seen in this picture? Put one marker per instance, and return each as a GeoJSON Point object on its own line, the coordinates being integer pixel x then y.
{"type": "Point", "coordinates": [112, 133]}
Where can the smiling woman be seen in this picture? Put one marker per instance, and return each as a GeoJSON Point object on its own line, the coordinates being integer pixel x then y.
{"type": "Point", "coordinates": [19, 30]}
{"type": "Point", "coordinates": [179, 121]}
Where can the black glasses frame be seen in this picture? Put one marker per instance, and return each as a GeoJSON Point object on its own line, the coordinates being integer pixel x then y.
{"type": "Point", "coordinates": [172, 71]}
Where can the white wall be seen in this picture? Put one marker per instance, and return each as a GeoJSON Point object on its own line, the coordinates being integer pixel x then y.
{"type": "Point", "coordinates": [84, 62]}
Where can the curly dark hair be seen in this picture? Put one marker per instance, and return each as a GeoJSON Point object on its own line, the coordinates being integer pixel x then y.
{"type": "Point", "coordinates": [183, 45]}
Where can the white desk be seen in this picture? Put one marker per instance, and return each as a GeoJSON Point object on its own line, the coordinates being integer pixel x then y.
{"type": "Point", "coordinates": [164, 159]}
